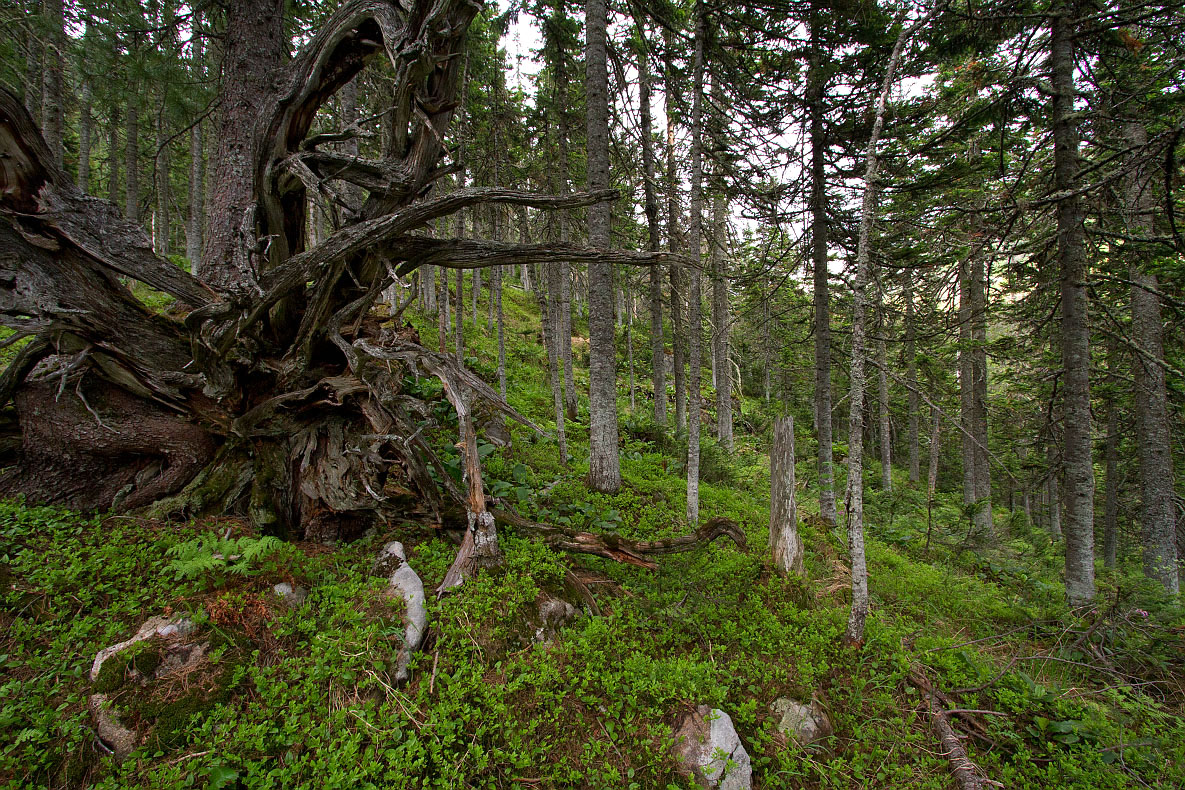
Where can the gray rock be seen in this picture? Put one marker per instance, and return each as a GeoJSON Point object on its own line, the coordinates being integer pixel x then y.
{"type": "Point", "coordinates": [179, 657]}
{"type": "Point", "coordinates": [805, 724]}
{"type": "Point", "coordinates": [109, 728]}
{"type": "Point", "coordinates": [554, 614]}
{"type": "Point", "coordinates": [292, 596]}
{"type": "Point", "coordinates": [709, 749]}
{"type": "Point", "coordinates": [405, 583]}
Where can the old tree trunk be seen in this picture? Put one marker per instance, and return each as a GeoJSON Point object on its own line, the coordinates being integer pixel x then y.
{"type": "Point", "coordinates": [272, 389]}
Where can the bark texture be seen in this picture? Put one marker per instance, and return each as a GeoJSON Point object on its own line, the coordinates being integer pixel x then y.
{"type": "Point", "coordinates": [604, 472]}
{"type": "Point", "coordinates": [784, 542]}
{"type": "Point", "coordinates": [695, 240]}
{"type": "Point", "coordinates": [1075, 326]}
{"type": "Point", "coordinates": [1150, 396]}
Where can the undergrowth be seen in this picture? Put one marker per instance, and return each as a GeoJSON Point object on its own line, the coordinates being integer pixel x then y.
{"type": "Point", "coordinates": [1086, 699]}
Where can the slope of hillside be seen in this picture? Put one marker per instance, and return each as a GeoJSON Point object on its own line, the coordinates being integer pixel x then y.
{"type": "Point", "coordinates": [511, 689]}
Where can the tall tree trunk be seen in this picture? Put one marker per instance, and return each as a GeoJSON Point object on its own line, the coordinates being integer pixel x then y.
{"type": "Point", "coordinates": [604, 472]}
{"type": "Point", "coordinates": [1076, 456]}
{"type": "Point", "coordinates": [442, 314]}
{"type": "Point", "coordinates": [160, 224]}
{"type": "Point", "coordinates": [85, 131]}
{"type": "Point", "coordinates": [131, 159]}
{"type": "Point", "coordinates": [720, 321]}
{"type": "Point", "coordinates": [1153, 433]}
{"type": "Point", "coordinates": [678, 332]}
{"type": "Point", "coordinates": [196, 222]}
{"type": "Point", "coordinates": [911, 381]}
{"type": "Point", "coordinates": [854, 633]}
{"type": "Point", "coordinates": [979, 382]}
{"type": "Point", "coordinates": [254, 48]}
{"type": "Point", "coordinates": [784, 543]}
{"type": "Point", "coordinates": [695, 238]}
{"type": "Point", "coordinates": [966, 382]}
{"type": "Point", "coordinates": [657, 355]}
{"type": "Point", "coordinates": [882, 379]}
{"type": "Point", "coordinates": [1111, 460]}
{"type": "Point", "coordinates": [34, 84]}
{"type": "Point", "coordinates": [935, 451]}
{"type": "Point", "coordinates": [551, 329]}
{"type": "Point", "coordinates": [766, 337]}
{"type": "Point", "coordinates": [113, 155]}
{"type": "Point", "coordinates": [459, 310]}
{"type": "Point", "coordinates": [1053, 493]}
{"type": "Point", "coordinates": [52, 67]}
{"type": "Point", "coordinates": [816, 86]}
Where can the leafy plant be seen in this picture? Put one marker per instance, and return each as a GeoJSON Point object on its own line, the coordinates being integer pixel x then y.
{"type": "Point", "coordinates": [209, 555]}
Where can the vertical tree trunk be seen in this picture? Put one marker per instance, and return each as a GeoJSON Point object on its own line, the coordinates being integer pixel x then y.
{"type": "Point", "coordinates": [966, 385]}
{"type": "Point", "coordinates": [161, 221]}
{"type": "Point", "coordinates": [34, 84]}
{"type": "Point", "coordinates": [657, 355]}
{"type": "Point", "coordinates": [979, 383]}
{"type": "Point", "coordinates": [51, 95]}
{"type": "Point", "coordinates": [911, 381]}
{"type": "Point", "coordinates": [442, 314]}
{"type": "Point", "coordinates": [766, 338]}
{"type": "Point", "coordinates": [695, 330]}
{"type": "Point", "coordinates": [882, 379]}
{"type": "Point", "coordinates": [604, 472]}
{"type": "Point", "coordinates": [784, 543]}
{"type": "Point", "coordinates": [551, 328]}
{"type": "Point", "coordinates": [1053, 494]}
{"type": "Point", "coordinates": [720, 321]}
{"type": "Point", "coordinates": [85, 129]}
{"type": "Point", "coordinates": [935, 451]}
{"type": "Point", "coordinates": [1071, 253]}
{"type": "Point", "coordinates": [459, 312]}
{"type": "Point", "coordinates": [113, 124]}
{"type": "Point", "coordinates": [678, 333]}
{"type": "Point", "coordinates": [816, 86]}
{"type": "Point", "coordinates": [1153, 434]}
{"type": "Point", "coordinates": [196, 223]}
{"type": "Point", "coordinates": [132, 159]}
{"type": "Point", "coordinates": [1111, 459]}
{"type": "Point", "coordinates": [854, 633]}
{"type": "Point", "coordinates": [254, 48]}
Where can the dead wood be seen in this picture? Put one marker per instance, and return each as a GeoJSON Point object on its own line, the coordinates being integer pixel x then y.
{"type": "Point", "coordinates": [965, 772]}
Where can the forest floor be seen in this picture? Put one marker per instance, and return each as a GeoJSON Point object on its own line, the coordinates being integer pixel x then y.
{"type": "Point", "coordinates": [304, 697]}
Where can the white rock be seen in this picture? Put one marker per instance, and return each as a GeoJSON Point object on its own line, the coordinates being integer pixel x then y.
{"type": "Point", "coordinates": [293, 597]}
{"type": "Point", "coordinates": [406, 583]}
{"type": "Point", "coordinates": [155, 626]}
{"type": "Point", "coordinates": [804, 723]}
{"type": "Point", "coordinates": [711, 751]}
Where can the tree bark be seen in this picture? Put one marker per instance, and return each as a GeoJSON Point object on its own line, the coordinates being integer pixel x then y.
{"type": "Point", "coordinates": [882, 379]}
{"type": "Point", "coordinates": [720, 320]}
{"type": "Point", "coordinates": [911, 381]}
{"type": "Point", "coordinates": [131, 159]}
{"type": "Point", "coordinates": [52, 109]}
{"type": "Point", "coordinates": [1111, 461]}
{"type": "Point", "coordinates": [854, 632]}
{"type": "Point", "coordinates": [695, 329]}
{"type": "Point", "coordinates": [816, 87]}
{"type": "Point", "coordinates": [113, 125]}
{"type": "Point", "coordinates": [1071, 252]}
{"type": "Point", "coordinates": [1153, 431]}
{"type": "Point", "coordinates": [161, 220]}
{"type": "Point", "coordinates": [674, 244]}
{"type": "Point", "coordinates": [254, 47]}
{"type": "Point", "coordinates": [657, 354]}
{"type": "Point", "coordinates": [85, 131]}
{"type": "Point", "coordinates": [784, 542]}
{"type": "Point", "coordinates": [604, 472]}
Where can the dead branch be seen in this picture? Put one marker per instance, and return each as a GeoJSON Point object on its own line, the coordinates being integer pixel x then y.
{"type": "Point", "coordinates": [965, 772]}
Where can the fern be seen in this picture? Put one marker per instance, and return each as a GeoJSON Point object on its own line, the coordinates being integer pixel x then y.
{"type": "Point", "coordinates": [210, 556]}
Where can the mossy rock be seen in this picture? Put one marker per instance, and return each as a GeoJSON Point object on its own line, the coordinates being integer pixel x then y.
{"type": "Point", "coordinates": [142, 657]}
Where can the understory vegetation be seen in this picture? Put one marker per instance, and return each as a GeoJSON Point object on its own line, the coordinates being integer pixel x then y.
{"type": "Point", "coordinates": [304, 696]}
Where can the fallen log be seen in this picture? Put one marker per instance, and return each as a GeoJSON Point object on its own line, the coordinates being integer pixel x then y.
{"type": "Point", "coordinates": [965, 772]}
